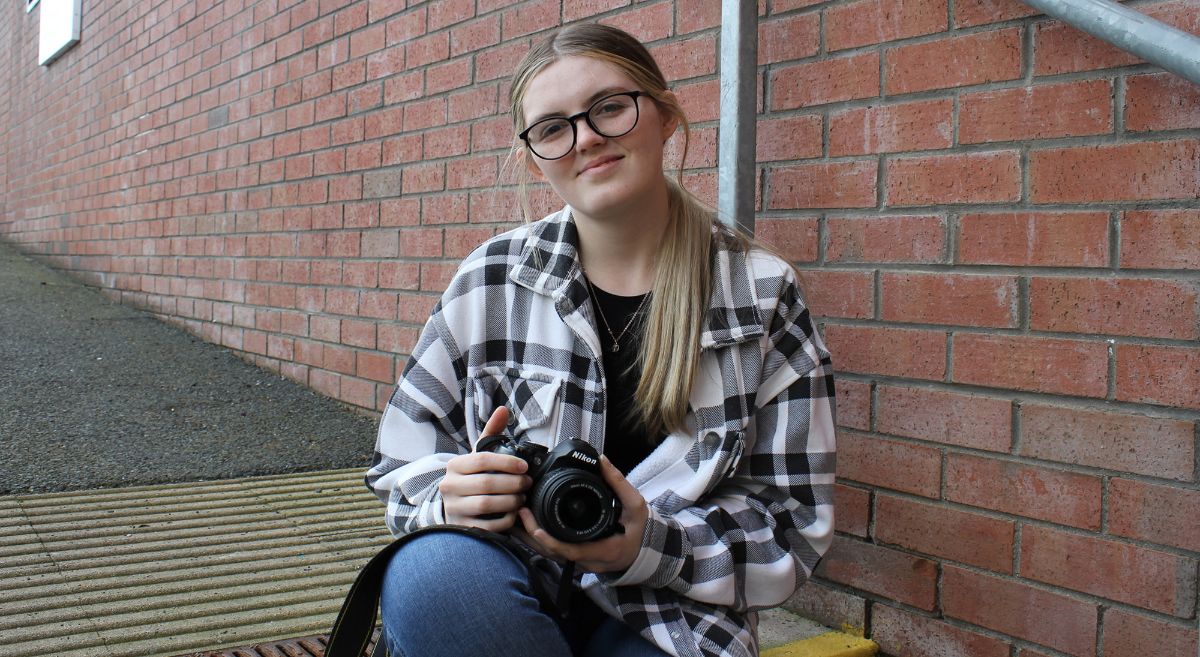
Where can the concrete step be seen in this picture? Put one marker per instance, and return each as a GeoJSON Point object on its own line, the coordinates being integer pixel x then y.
{"type": "Point", "coordinates": [161, 571]}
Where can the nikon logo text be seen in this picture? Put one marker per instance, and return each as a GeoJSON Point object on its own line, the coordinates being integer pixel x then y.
{"type": "Point", "coordinates": [583, 457]}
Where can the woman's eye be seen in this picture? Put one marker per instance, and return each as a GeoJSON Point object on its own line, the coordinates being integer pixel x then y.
{"type": "Point", "coordinates": [550, 130]}
{"type": "Point", "coordinates": [611, 107]}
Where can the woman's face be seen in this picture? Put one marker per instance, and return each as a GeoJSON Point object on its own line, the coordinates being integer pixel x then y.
{"type": "Point", "coordinates": [601, 176]}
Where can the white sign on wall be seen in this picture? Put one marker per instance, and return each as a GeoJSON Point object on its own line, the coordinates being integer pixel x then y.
{"type": "Point", "coordinates": [60, 21]}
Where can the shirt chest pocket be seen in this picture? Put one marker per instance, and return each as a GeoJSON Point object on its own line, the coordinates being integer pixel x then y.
{"type": "Point", "coordinates": [532, 399]}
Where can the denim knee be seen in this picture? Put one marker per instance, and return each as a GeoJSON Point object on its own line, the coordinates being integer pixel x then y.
{"type": "Point", "coordinates": [445, 592]}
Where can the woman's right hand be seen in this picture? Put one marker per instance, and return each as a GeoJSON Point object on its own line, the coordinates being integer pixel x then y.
{"type": "Point", "coordinates": [484, 489]}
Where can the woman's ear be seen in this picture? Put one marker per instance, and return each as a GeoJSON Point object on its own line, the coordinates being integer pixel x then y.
{"type": "Point", "coordinates": [670, 119]}
{"type": "Point", "coordinates": [531, 164]}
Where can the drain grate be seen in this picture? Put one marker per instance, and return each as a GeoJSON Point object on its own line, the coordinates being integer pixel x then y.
{"type": "Point", "coordinates": [309, 646]}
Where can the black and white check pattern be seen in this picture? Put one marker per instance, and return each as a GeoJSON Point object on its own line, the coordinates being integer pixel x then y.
{"type": "Point", "coordinates": [741, 504]}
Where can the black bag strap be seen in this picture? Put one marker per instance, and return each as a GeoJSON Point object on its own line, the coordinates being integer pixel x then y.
{"type": "Point", "coordinates": [356, 620]}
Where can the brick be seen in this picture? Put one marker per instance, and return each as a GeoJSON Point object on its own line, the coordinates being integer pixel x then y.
{"type": "Point", "coordinates": [357, 392]}
{"type": "Point", "coordinates": [1117, 571]}
{"type": "Point", "coordinates": [450, 75]}
{"type": "Point", "coordinates": [983, 177]}
{"type": "Point", "coordinates": [442, 14]}
{"type": "Point", "coordinates": [832, 293]}
{"type": "Point", "coordinates": [648, 23]}
{"type": "Point", "coordinates": [945, 533]}
{"type": "Point", "coordinates": [471, 172]}
{"type": "Point", "coordinates": [423, 178]}
{"type": "Point", "coordinates": [696, 15]}
{"type": "Point", "coordinates": [399, 275]}
{"type": "Point", "coordinates": [1159, 375]}
{"type": "Point", "coordinates": [427, 50]}
{"type": "Point", "coordinates": [1060, 48]}
{"type": "Point", "coordinates": [1113, 441]}
{"type": "Point", "coordinates": [1130, 635]}
{"type": "Point", "coordinates": [360, 273]}
{"type": "Point", "coordinates": [701, 101]}
{"type": "Point", "coordinates": [961, 300]}
{"type": "Point", "coordinates": [425, 114]}
{"type": "Point", "coordinates": [830, 607]}
{"type": "Point", "coordinates": [474, 103]}
{"type": "Point", "coordinates": [790, 138]}
{"type": "Point", "coordinates": [1160, 239]}
{"type": "Point", "coordinates": [822, 185]}
{"type": "Point", "coordinates": [461, 241]}
{"type": "Point", "coordinates": [889, 351]}
{"type": "Point", "coordinates": [944, 417]}
{"type": "Point", "coordinates": [853, 404]}
{"type": "Point", "coordinates": [573, 11]}
{"type": "Point", "coordinates": [500, 61]}
{"type": "Point", "coordinates": [680, 60]}
{"type": "Point", "coordinates": [785, 39]}
{"type": "Point", "coordinates": [1117, 172]}
{"type": "Point", "coordinates": [1017, 609]}
{"type": "Point", "coordinates": [1046, 111]}
{"type": "Point", "coordinates": [1165, 515]}
{"type": "Point", "coordinates": [421, 243]}
{"type": "Point", "coordinates": [882, 571]}
{"type": "Point", "coordinates": [795, 239]}
{"type": "Point", "coordinates": [357, 333]}
{"type": "Point", "coordinates": [1056, 496]}
{"type": "Point", "coordinates": [1035, 239]}
{"type": "Point", "coordinates": [376, 367]}
{"type": "Point", "coordinates": [853, 509]}
{"type": "Point", "coordinates": [885, 239]}
{"type": "Point", "coordinates": [1068, 367]}
{"type": "Point", "coordinates": [890, 464]}
{"type": "Point", "coordinates": [906, 634]}
{"type": "Point", "coordinates": [992, 56]}
{"type": "Point", "coordinates": [968, 13]}
{"type": "Point", "coordinates": [898, 127]}
{"type": "Point", "coordinates": [867, 22]}
{"type": "Point", "coordinates": [1161, 101]}
{"type": "Point", "coordinates": [825, 81]}
{"type": "Point", "coordinates": [475, 36]}
{"type": "Point", "coordinates": [1155, 308]}
{"type": "Point", "coordinates": [530, 17]}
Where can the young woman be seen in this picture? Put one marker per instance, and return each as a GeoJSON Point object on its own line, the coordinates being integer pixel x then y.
{"type": "Point", "coordinates": [633, 321]}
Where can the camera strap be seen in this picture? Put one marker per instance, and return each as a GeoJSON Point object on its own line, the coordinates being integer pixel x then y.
{"type": "Point", "coordinates": [356, 620]}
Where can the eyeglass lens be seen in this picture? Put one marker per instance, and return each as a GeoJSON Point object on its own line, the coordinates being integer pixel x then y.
{"type": "Point", "coordinates": [611, 116]}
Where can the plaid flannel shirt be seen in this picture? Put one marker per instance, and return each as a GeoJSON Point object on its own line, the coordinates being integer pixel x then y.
{"type": "Point", "coordinates": [740, 502]}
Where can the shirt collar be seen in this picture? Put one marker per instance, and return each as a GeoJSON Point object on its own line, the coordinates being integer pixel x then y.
{"type": "Point", "coordinates": [549, 264]}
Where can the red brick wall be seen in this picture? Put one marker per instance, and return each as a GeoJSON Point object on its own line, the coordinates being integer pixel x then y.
{"type": "Point", "coordinates": [996, 216]}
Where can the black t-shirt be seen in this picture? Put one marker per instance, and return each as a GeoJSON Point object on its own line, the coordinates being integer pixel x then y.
{"type": "Point", "coordinates": [626, 442]}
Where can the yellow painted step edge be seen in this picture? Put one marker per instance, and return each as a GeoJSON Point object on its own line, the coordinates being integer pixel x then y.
{"type": "Point", "coordinates": [830, 644]}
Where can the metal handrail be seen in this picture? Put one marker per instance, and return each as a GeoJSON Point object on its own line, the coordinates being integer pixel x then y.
{"type": "Point", "coordinates": [1130, 30]}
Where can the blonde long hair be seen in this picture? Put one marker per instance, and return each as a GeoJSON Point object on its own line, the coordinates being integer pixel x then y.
{"type": "Point", "coordinates": [670, 347]}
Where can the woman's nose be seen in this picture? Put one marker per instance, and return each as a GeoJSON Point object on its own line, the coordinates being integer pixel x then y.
{"type": "Point", "coordinates": [586, 136]}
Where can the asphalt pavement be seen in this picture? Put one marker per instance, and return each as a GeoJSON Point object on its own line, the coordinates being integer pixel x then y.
{"type": "Point", "coordinates": [94, 394]}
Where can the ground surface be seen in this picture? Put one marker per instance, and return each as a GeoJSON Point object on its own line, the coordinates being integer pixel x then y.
{"type": "Point", "coordinates": [95, 394]}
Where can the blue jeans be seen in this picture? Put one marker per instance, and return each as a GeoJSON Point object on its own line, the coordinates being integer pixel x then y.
{"type": "Point", "coordinates": [451, 594]}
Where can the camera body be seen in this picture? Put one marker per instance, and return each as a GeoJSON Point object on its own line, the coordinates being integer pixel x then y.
{"type": "Point", "coordinates": [568, 498]}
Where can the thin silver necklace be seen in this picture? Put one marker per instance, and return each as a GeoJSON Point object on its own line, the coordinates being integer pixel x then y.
{"type": "Point", "coordinates": [632, 318]}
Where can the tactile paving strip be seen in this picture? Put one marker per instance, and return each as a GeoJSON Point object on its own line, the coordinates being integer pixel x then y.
{"type": "Point", "coordinates": [158, 571]}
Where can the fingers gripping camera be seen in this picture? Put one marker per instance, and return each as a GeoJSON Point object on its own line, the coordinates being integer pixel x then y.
{"type": "Point", "coordinates": [568, 498]}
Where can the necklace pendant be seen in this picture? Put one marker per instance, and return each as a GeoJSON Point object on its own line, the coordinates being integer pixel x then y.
{"type": "Point", "coordinates": [616, 347]}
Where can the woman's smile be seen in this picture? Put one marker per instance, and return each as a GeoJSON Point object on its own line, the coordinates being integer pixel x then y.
{"type": "Point", "coordinates": [601, 165]}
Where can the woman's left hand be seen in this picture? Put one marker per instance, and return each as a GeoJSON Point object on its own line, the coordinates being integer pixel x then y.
{"type": "Point", "coordinates": [612, 554]}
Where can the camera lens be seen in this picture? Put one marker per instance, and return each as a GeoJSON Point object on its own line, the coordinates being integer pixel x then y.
{"type": "Point", "coordinates": [573, 506]}
{"type": "Point", "coordinates": [578, 509]}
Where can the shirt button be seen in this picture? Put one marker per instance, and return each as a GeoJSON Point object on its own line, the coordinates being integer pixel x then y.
{"type": "Point", "coordinates": [674, 635]}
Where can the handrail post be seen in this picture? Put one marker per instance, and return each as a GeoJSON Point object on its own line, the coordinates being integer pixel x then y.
{"type": "Point", "coordinates": [736, 165]}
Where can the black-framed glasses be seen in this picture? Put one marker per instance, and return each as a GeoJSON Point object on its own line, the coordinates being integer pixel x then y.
{"type": "Point", "coordinates": [611, 116]}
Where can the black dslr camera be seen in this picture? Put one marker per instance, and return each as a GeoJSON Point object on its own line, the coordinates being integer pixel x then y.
{"type": "Point", "coordinates": [568, 497]}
